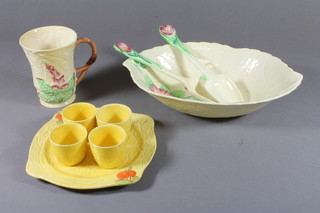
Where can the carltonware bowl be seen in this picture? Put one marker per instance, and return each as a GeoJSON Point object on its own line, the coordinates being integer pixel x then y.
{"type": "Point", "coordinates": [260, 76]}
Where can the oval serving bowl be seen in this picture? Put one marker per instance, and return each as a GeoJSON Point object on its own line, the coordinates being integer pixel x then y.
{"type": "Point", "coordinates": [260, 76]}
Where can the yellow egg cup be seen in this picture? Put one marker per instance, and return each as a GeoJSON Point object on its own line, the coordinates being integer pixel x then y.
{"type": "Point", "coordinates": [118, 114]}
{"type": "Point", "coordinates": [42, 164]}
{"type": "Point", "coordinates": [68, 143]}
{"type": "Point", "coordinates": [108, 144]}
{"type": "Point", "coordinates": [81, 113]}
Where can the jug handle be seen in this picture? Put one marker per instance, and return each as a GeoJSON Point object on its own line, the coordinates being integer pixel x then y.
{"type": "Point", "coordinates": [84, 69]}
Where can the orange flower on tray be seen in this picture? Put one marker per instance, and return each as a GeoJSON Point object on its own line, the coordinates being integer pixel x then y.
{"type": "Point", "coordinates": [58, 116]}
{"type": "Point", "coordinates": [127, 176]}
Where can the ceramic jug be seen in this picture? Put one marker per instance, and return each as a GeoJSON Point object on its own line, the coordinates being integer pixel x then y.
{"type": "Point", "coordinates": [50, 51]}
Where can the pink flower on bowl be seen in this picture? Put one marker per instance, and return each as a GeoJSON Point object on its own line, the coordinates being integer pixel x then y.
{"type": "Point", "coordinates": [124, 47]}
{"type": "Point", "coordinates": [167, 29]}
{"type": "Point", "coordinates": [159, 90]}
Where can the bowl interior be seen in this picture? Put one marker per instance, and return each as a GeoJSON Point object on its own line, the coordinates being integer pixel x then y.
{"type": "Point", "coordinates": [260, 76]}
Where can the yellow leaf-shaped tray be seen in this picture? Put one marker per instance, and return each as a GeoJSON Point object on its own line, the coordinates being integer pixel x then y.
{"type": "Point", "coordinates": [87, 175]}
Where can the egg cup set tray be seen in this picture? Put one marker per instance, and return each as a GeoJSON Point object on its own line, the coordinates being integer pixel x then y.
{"type": "Point", "coordinates": [88, 175]}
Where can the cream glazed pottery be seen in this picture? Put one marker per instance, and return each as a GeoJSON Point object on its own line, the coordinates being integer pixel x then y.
{"type": "Point", "coordinates": [260, 77]}
{"type": "Point", "coordinates": [216, 85]}
{"type": "Point", "coordinates": [50, 51]}
{"type": "Point", "coordinates": [193, 85]}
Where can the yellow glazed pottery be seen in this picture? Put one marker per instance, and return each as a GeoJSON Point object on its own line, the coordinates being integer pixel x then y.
{"type": "Point", "coordinates": [117, 114]}
{"type": "Point", "coordinates": [108, 145]}
{"type": "Point", "coordinates": [88, 175]}
{"type": "Point", "coordinates": [81, 113]}
{"type": "Point", "coordinates": [69, 143]}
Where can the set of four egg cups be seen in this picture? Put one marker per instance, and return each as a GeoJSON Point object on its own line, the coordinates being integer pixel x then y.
{"type": "Point", "coordinates": [104, 131]}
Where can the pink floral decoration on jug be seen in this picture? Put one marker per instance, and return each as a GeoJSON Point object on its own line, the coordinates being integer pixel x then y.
{"type": "Point", "coordinates": [57, 77]}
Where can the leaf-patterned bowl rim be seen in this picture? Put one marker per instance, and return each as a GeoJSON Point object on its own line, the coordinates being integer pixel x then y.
{"type": "Point", "coordinates": [132, 66]}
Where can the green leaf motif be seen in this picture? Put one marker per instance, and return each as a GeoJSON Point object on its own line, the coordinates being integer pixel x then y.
{"type": "Point", "coordinates": [148, 80]}
{"type": "Point", "coordinates": [166, 88]}
{"type": "Point", "coordinates": [140, 64]}
{"type": "Point", "coordinates": [138, 56]}
{"type": "Point", "coordinates": [59, 122]}
{"type": "Point", "coordinates": [44, 86]}
{"type": "Point", "coordinates": [123, 182]}
{"type": "Point", "coordinates": [178, 93]}
{"type": "Point", "coordinates": [192, 98]}
{"type": "Point", "coordinates": [52, 96]}
{"type": "Point", "coordinates": [203, 77]}
{"type": "Point", "coordinates": [128, 169]}
{"type": "Point", "coordinates": [128, 181]}
{"type": "Point", "coordinates": [135, 179]}
{"type": "Point", "coordinates": [195, 98]}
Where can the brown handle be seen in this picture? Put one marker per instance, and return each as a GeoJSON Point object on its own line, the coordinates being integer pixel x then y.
{"type": "Point", "coordinates": [83, 70]}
